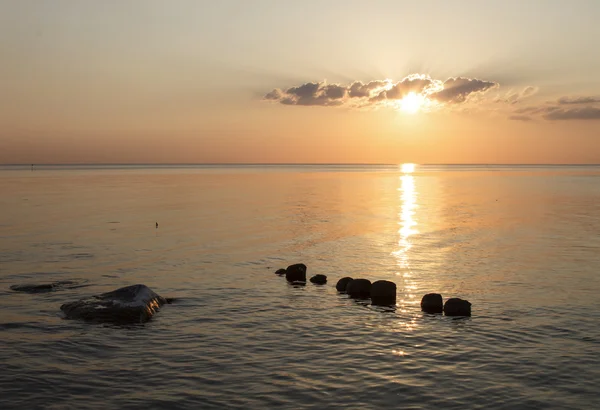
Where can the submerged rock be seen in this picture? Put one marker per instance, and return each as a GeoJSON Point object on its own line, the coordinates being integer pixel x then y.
{"type": "Point", "coordinates": [383, 293]}
{"type": "Point", "coordinates": [45, 287]}
{"type": "Point", "coordinates": [432, 303]}
{"type": "Point", "coordinates": [296, 273]}
{"type": "Point", "coordinates": [319, 279]}
{"type": "Point", "coordinates": [280, 272]}
{"type": "Point", "coordinates": [343, 284]}
{"type": "Point", "coordinates": [131, 304]}
{"type": "Point", "coordinates": [457, 307]}
{"type": "Point", "coordinates": [359, 288]}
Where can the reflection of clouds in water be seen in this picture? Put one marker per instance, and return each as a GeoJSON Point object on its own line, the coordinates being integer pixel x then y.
{"type": "Point", "coordinates": [408, 223]}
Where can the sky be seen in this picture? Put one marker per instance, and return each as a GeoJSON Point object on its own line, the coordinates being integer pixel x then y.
{"type": "Point", "coordinates": [281, 81]}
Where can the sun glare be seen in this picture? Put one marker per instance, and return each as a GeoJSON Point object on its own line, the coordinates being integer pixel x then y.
{"type": "Point", "coordinates": [408, 168]}
{"type": "Point", "coordinates": [412, 102]}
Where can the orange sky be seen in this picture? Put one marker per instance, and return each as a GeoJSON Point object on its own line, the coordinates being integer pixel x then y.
{"type": "Point", "coordinates": [271, 81]}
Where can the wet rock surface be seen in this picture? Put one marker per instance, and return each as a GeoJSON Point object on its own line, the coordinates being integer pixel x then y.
{"type": "Point", "coordinates": [457, 307]}
{"type": "Point", "coordinates": [432, 303]}
{"type": "Point", "coordinates": [359, 289]}
{"type": "Point", "coordinates": [342, 284]}
{"type": "Point", "coordinates": [296, 273]}
{"type": "Point", "coordinates": [319, 279]}
{"type": "Point", "coordinates": [383, 293]}
{"type": "Point", "coordinates": [131, 304]}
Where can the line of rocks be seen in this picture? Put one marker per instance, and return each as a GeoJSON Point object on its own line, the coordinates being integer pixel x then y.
{"type": "Point", "coordinates": [434, 303]}
{"type": "Point", "coordinates": [381, 292]}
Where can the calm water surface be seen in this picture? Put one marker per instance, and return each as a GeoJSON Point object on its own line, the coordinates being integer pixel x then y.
{"type": "Point", "coordinates": [521, 243]}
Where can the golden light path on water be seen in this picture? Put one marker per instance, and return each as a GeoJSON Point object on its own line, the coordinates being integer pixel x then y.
{"type": "Point", "coordinates": [407, 223]}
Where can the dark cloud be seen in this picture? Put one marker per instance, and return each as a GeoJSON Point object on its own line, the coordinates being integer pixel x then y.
{"type": "Point", "coordinates": [457, 90]}
{"type": "Point", "coordinates": [334, 91]}
{"type": "Point", "coordinates": [309, 94]}
{"type": "Point", "coordinates": [360, 90]}
{"type": "Point", "coordinates": [520, 118]}
{"type": "Point", "coordinates": [584, 113]}
{"type": "Point", "coordinates": [578, 100]}
{"type": "Point", "coordinates": [308, 90]}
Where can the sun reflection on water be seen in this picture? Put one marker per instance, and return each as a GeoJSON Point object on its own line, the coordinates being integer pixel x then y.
{"type": "Point", "coordinates": [408, 227]}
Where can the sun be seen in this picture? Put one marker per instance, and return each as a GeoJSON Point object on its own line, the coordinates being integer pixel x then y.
{"type": "Point", "coordinates": [412, 102]}
{"type": "Point", "coordinates": [408, 168]}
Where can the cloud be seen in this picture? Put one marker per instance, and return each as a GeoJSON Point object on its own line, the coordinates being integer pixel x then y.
{"type": "Point", "coordinates": [377, 92]}
{"type": "Point", "coordinates": [457, 90]}
{"type": "Point", "coordinates": [413, 83]}
{"type": "Point", "coordinates": [520, 118]}
{"type": "Point", "coordinates": [583, 113]}
{"type": "Point", "coordinates": [528, 91]}
{"type": "Point", "coordinates": [578, 100]}
{"type": "Point", "coordinates": [274, 95]}
{"type": "Point", "coordinates": [334, 91]}
{"type": "Point", "coordinates": [567, 111]}
{"type": "Point", "coordinates": [309, 94]}
{"type": "Point", "coordinates": [514, 97]}
{"type": "Point", "coordinates": [360, 90]}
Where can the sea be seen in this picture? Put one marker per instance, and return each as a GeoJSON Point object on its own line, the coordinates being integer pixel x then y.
{"type": "Point", "coordinates": [520, 242]}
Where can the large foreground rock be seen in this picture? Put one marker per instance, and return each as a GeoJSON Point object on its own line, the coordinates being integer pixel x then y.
{"type": "Point", "coordinates": [359, 288]}
{"type": "Point", "coordinates": [296, 273]}
{"type": "Point", "coordinates": [457, 307]}
{"type": "Point", "coordinates": [343, 284]}
{"type": "Point", "coordinates": [383, 293]}
{"type": "Point", "coordinates": [432, 303]}
{"type": "Point", "coordinates": [131, 304]}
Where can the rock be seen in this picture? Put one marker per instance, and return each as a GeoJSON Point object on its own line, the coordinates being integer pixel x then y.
{"type": "Point", "coordinates": [319, 279]}
{"type": "Point", "coordinates": [131, 304]}
{"type": "Point", "coordinates": [280, 272]}
{"type": "Point", "coordinates": [343, 283]}
{"type": "Point", "coordinates": [359, 288]}
{"type": "Point", "coordinates": [457, 307]}
{"type": "Point", "coordinates": [432, 303]}
{"type": "Point", "coordinates": [383, 293]}
{"type": "Point", "coordinates": [296, 273]}
{"type": "Point", "coordinates": [46, 287]}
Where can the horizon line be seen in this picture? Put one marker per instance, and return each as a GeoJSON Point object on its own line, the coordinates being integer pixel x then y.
{"type": "Point", "coordinates": [295, 164]}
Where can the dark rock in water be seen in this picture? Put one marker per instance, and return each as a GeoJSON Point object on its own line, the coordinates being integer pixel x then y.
{"type": "Point", "coordinates": [319, 279]}
{"type": "Point", "coordinates": [432, 303]}
{"type": "Point", "coordinates": [280, 272]}
{"type": "Point", "coordinates": [383, 293]}
{"type": "Point", "coordinates": [45, 287]}
{"type": "Point", "coordinates": [296, 273]}
{"type": "Point", "coordinates": [359, 288]}
{"type": "Point", "coordinates": [131, 304]}
{"type": "Point", "coordinates": [457, 307]}
{"type": "Point", "coordinates": [343, 284]}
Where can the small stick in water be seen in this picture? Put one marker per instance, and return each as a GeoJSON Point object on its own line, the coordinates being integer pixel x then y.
{"type": "Point", "coordinates": [157, 225]}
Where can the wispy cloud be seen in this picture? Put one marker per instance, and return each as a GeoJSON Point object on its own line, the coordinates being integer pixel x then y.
{"type": "Point", "coordinates": [515, 97]}
{"type": "Point", "coordinates": [520, 118]}
{"type": "Point", "coordinates": [377, 92]}
{"type": "Point", "coordinates": [578, 100]}
{"type": "Point", "coordinates": [584, 113]}
{"type": "Point", "coordinates": [565, 108]}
